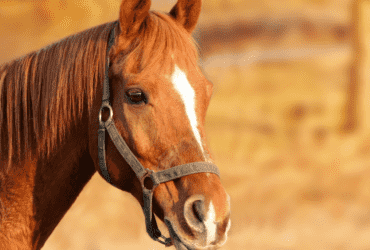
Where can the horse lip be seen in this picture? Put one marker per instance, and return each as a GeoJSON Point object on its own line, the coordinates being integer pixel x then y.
{"type": "Point", "coordinates": [175, 238]}
{"type": "Point", "coordinates": [173, 234]}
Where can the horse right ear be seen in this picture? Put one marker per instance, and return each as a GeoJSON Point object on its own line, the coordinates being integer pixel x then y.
{"type": "Point", "coordinates": [186, 12]}
{"type": "Point", "coordinates": [131, 16]}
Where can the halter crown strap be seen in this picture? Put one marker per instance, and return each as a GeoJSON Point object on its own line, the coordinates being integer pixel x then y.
{"type": "Point", "coordinates": [141, 172]}
{"type": "Point", "coordinates": [105, 104]}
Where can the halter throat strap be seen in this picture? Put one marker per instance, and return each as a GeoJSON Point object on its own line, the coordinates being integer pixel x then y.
{"type": "Point", "coordinates": [141, 172]}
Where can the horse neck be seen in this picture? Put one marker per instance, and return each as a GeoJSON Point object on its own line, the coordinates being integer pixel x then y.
{"type": "Point", "coordinates": [39, 193]}
{"type": "Point", "coordinates": [58, 182]}
{"type": "Point", "coordinates": [36, 192]}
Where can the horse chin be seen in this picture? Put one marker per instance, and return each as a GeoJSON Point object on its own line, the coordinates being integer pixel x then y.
{"type": "Point", "coordinates": [180, 246]}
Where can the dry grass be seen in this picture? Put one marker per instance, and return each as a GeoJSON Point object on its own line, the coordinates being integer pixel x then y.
{"type": "Point", "coordinates": [295, 182]}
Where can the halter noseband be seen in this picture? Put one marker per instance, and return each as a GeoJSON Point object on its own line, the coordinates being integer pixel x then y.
{"type": "Point", "coordinates": [141, 172]}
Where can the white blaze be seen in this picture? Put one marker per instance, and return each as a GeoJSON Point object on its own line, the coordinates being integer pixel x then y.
{"type": "Point", "coordinates": [183, 87]}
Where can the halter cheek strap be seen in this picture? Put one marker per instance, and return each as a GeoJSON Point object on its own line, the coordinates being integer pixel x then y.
{"type": "Point", "coordinates": [142, 173]}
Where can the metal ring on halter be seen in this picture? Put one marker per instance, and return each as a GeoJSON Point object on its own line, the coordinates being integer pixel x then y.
{"type": "Point", "coordinates": [105, 105]}
{"type": "Point", "coordinates": [149, 174]}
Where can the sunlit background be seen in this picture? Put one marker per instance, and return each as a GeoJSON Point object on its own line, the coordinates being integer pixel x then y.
{"type": "Point", "coordinates": [288, 124]}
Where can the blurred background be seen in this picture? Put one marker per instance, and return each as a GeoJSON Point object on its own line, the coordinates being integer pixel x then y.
{"type": "Point", "coordinates": [288, 124]}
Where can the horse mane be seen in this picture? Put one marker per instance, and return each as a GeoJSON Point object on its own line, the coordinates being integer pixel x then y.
{"type": "Point", "coordinates": [39, 92]}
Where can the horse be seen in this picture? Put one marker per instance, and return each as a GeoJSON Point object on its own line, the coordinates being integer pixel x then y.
{"type": "Point", "coordinates": [126, 99]}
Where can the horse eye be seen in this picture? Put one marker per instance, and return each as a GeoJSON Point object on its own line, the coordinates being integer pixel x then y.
{"type": "Point", "coordinates": [135, 96]}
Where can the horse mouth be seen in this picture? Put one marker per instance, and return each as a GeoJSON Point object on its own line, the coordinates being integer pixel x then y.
{"type": "Point", "coordinates": [179, 245]}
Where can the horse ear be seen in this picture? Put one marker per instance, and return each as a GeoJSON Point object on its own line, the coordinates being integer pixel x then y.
{"type": "Point", "coordinates": [132, 14]}
{"type": "Point", "coordinates": [187, 12]}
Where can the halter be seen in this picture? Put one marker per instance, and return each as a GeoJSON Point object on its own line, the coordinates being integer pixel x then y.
{"type": "Point", "coordinates": [144, 175]}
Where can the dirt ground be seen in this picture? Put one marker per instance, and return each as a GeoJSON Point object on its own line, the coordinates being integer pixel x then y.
{"type": "Point", "coordinates": [281, 79]}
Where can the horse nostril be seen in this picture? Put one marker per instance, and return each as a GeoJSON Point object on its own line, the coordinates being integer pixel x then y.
{"type": "Point", "coordinates": [198, 210]}
{"type": "Point", "coordinates": [194, 212]}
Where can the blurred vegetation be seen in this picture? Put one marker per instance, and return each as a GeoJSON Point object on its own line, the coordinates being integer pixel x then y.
{"type": "Point", "coordinates": [283, 72]}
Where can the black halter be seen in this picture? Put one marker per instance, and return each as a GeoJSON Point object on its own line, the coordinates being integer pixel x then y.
{"type": "Point", "coordinates": [141, 172]}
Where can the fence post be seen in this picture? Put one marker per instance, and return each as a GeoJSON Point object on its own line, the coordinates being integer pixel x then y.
{"type": "Point", "coordinates": [357, 108]}
{"type": "Point", "coordinates": [352, 117]}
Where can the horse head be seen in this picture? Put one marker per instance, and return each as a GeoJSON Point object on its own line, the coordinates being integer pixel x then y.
{"type": "Point", "coordinates": [159, 98]}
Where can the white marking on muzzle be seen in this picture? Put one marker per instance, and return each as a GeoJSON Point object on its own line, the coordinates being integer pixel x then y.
{"type": "Point", "coordinates": [183, 87]}
{"type": "Point", "coordinates": [210, 224]}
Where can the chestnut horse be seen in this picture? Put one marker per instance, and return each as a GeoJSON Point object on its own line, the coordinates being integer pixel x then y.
{"type": "Point", "coordinates": [49, 107]}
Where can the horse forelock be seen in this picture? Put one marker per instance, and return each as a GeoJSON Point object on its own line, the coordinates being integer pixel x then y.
{"type": "Point", "coordinates": [160, 43]}
{"type": "Point", "coordinates": [43, 94]}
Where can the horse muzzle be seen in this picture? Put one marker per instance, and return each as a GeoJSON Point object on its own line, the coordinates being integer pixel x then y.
{"type": "Point", "coordinates": [203, 231]}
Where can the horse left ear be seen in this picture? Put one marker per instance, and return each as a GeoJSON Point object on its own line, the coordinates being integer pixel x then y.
{"type": "Point", "coordinates": [187, 12]}
{"type": "Point", "coordinates": [132, 15]}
